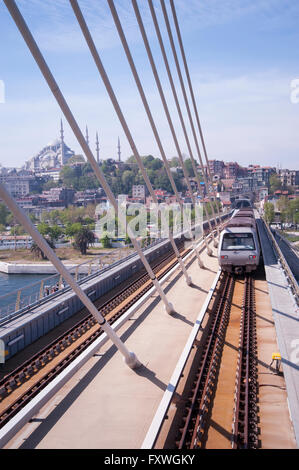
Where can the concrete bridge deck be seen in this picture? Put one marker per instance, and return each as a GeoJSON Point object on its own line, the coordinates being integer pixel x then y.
{"type": "Point", "coordinates": [106, 404]}
{"type": "Point", "coordinates": [286, 317]}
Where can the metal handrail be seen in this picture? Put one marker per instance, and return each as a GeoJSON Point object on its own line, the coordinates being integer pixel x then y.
{"type": "Point", "coordinates": [295, 250]}
{"type": "Point", "coordinates": [87, 278]}
{"type": "Point", "coordinates": [286, 267]}
{"type": "Point", "coordinates": [56, 294]}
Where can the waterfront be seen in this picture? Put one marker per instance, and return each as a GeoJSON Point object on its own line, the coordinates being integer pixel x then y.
{"type": "Point", "coordinates": [9, 283]}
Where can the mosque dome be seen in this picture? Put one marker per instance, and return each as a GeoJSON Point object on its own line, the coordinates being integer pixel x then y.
{"type": "Point", "coordinates": [54, 143]}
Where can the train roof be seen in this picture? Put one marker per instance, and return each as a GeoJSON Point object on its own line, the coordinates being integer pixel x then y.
{"type": "Point", "coordinates": [241, 222]}
{"type": "Point", "coordinates": [238, 230]}
{"type": "Point", "coordinates": [244, 214]}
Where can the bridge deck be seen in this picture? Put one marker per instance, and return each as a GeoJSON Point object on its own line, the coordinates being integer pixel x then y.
{"type": "Point", "coordinates": [286, 318]}
{"type": "Point", "coordinates": [106, 404]}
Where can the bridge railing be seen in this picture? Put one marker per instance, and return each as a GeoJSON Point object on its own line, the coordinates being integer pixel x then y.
{"type": "Point", "coordinates": [289, 274]}
{"type": "Point", "coordinates": [20, 300]}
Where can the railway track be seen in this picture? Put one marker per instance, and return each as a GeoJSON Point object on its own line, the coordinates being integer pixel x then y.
{"type": "Point", "coordinates": [222, 386]}
{"type": "Point", "coordinates": [21, 385]}
{"type": "Point", "coordinates": [245, 425]}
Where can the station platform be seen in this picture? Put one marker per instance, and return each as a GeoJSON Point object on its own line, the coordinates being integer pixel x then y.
{"type": "Point", "coordinates": [106, 405]}
{"type": "Point", "coordinates": [286, 317]}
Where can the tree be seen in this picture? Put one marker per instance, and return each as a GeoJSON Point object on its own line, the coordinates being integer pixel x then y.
{"type": "Point", "coordinates": [174, 162]}
{"type": "Point", "coordinates": [43, 229]}
{"type": "Point", "coordinates": [76, 159]}
{"type": "Point", "coordinates": [283, 205]}
{"type": "Point", "coordinates": [275, 183]}
{"type": "Point", "coordinates": [269, 212]}
{"type": "Point", "coordinates": [127, 180]}
{"type": "Point", "coordinates": [69, 176]}
{"type": "Point", "coordinates": [33, 218]}
{"type": "Point", "coordinates": [35, 249]}
{"type": "Point", "coordinates": [4, 212]}
{"type": "Point", "coordinates": [72, 229]}
{"type": "Point", "coordinates": [50, 184]}
{"type": "Point", "coordinates": [189, 168]}
{"type": "Point", "coordinates": [55, 232]}
{"type": "Point", "coordinates": [128, 240]}
{"type": "Point", "coordinates": [83, 239]}
{"type": "Point", "coordinates": [106, 242]}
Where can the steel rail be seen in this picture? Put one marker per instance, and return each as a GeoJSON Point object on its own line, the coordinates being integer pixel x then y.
{"type": "Point", "coordinates": [191, 432]}
{"type": "Point", "coordinates": [245, 430]}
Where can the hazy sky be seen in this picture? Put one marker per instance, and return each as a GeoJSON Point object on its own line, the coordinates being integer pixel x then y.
{"type": "Point", "coordinates": [242, 54]}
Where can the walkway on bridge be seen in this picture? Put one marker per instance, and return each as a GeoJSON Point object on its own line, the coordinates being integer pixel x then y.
{"type": "Point", "coordinates": [107, 405]}
{"type": "Point", "coordinates": [286, 318]}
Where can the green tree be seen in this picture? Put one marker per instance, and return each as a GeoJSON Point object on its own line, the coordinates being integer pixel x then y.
{"type": "Point", "coordinates": [83, 239]}
{"type": "Point", "coordinates": [106, 242]}
{"type": "Point", "coordinates": [55, 232]}
{"type": "Point", "coordinates": [70, 176]}
{"type": "Point", "coordinates": [76, 159]}
{"type": "Point", "coordinates": [269, 212]}
{"type": "Point", "coordinates": [127, 179]}
{"type": "Point", "coordinates": [43, 229]}
{"type": "Point", "coordinates": [128, 240]}
{"type": "Point", "coordinates": [72, 229]}
{"type": "Point", "coordinates": [50, 184]}
{"type": "Point", "coordinates": [33, 219]}
{"type": "Point", "coordinates": [4, 213]}
{"type": "Point", "coordinates": [189, 168]}
{"type": "Point", "coordinates": [174, 162]}
{"type": "Point", "coordinates": [37, 252]}
{"type": "Point", "coordinates": [275, 183]}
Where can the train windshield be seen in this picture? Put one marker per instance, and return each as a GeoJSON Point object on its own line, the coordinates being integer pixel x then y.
{"type": "Point", "coordinates": [238, 241]}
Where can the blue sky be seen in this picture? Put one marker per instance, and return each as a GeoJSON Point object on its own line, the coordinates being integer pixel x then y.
{"type": "Point", "coordinates": [242, 56]}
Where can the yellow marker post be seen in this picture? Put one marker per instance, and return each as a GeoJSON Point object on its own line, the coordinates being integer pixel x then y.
{"type": "Point", "coordinates": [276, 356]}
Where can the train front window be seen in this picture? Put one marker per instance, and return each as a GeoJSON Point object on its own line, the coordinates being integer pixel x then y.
{"type": "Point", "coordinates": [238, 241]}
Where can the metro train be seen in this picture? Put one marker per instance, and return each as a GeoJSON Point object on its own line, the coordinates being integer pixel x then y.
{"type": "Point", "coordinates": [242, 203]}
{"type": "Point", "coordinates": [239, 247]}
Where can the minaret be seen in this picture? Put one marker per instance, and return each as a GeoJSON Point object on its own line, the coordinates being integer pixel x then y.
{"type": "Point", "coordinates": [118, 149]}
{"type": "Point", "coordinates": [87, 138]}
{"type": "Point", "coordinates": [62, 143]}
{"type": "Point", "coordinates": [97, 148]}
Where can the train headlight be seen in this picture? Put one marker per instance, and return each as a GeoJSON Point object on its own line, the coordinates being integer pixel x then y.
{"type": "Point", "coordinates": [252, 256]}
{"type": "Point", "coordinates": [224, 256]}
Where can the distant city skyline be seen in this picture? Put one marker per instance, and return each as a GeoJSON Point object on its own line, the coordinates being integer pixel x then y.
{"type": "Point", "coordinates": [243, 56]}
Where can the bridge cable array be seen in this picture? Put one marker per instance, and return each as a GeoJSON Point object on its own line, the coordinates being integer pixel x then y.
{"type": "Point", "coordinates": [149, 114]}
{"type": "Point", "coordinates": [177, 27]}
{"type": "Point", "coordinates": [129, 357]}
{"type": "Point", "coordinates": [98, 62]}
{"type": "Point", "coordinates": [173, 48]}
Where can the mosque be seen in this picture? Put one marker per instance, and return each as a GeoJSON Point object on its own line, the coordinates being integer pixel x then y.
{"type": "Point", "coordinates": [54, 155]}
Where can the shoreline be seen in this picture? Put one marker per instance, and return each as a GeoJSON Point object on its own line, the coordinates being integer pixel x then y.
{"type": "Point", "coordinates": [41, 268]}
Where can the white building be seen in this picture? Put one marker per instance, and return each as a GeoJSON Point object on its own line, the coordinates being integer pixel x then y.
{"type": "Point", "coordinates": [54, 155]}
{"type": "Point", "coordinates": [18, 186]}
{"type": "Point", "coordinates": [53, 173]}
{"type": "Point", "coordinates": [138, 191]}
